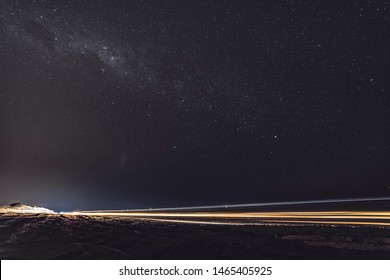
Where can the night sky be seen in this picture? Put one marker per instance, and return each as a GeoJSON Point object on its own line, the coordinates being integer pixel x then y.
{"type": "Point", "coordinates": [126, 104]}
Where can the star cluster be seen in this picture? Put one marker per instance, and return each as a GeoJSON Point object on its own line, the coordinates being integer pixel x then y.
{"type": "Point", "coordinates": [139, 103]}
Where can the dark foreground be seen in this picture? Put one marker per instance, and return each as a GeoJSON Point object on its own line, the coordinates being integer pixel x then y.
{"type": "Point", "coordinates": [43, 236]}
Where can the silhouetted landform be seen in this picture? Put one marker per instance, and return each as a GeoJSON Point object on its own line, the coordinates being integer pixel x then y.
{"type": "Point", "coordinates": [15, 204]}
{"type": "Point", "coordinates": [55, 236]}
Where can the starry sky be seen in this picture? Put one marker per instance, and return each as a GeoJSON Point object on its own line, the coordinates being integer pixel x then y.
{"type": "Point", "coordinates": [134, 103]}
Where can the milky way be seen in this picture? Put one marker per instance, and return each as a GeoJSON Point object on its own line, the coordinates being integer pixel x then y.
{"type": "Point", "coordinates": [145, 104]}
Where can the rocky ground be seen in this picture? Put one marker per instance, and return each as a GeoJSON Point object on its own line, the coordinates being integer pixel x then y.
{"type": "Point", "coordinates": [54, 236]}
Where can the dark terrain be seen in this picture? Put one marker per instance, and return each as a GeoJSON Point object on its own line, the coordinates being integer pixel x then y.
{"type": "Point", "coordinates": [46, 236]}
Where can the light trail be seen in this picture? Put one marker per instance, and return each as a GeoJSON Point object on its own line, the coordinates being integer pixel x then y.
{"type": "Point", "coordinates": [274, 222]}
{"type": "Point", "coordinates": [261, 204]}
{"type": "Point", "coordinates": [373, 218]}
{"type": "Point", "coordinates": [235, 214]}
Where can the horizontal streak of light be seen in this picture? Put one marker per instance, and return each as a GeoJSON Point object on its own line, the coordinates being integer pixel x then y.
{"type": "Point", "coordinates": [203, 222]}
{"type": "Point", "coordinates": [332, 222]}
{"type": "Point", "coordinates": [268, 222]}
{"type": "Point", "coordinates": [262, 204]}
{"type": "Point", "coordinates": [333, 217]}
{"type": "Point", "coordinates": [347, 215]}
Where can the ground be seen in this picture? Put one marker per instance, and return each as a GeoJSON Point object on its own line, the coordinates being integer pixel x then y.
{"type": "Point", "coordinates": [52, 236]}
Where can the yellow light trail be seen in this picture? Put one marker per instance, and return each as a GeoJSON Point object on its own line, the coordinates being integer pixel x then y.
{"type": "Point", "coordinates": [273, 222]}
{"type": "Point", "coordinates": [378, 218]}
